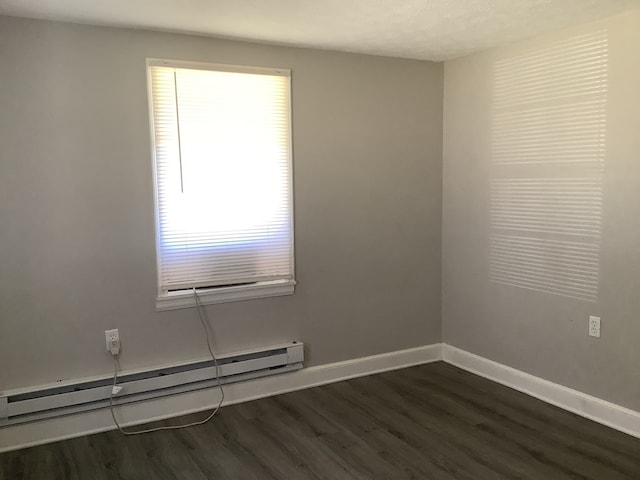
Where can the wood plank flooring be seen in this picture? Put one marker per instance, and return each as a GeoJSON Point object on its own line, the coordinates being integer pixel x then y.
{"type": "Point", "coordinates": [428, 422]}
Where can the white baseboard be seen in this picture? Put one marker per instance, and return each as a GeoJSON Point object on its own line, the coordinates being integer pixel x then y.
{"type": "Point", "coordinates": [54, 429]}
{"type": "Point", "coordinates": [60, 428]}
{"type": "Point", "coordinates": [601, 411]}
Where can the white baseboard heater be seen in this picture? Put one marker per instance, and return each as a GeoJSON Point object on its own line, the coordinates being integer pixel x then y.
{"type": "Point", "coordinates": [30, 404]}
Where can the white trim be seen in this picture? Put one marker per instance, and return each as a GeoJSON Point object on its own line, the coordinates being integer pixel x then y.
{"type": "Point", "coordinates": [292, 229]}
{"type": "Point", "coordinates": [185, 299]}
{"type": "Point", "coordinates": [154, 167]}
{"type": "Point", "coordinates": [593, 408]}
{"type": "Point", "coordinates": [218, 67]}
{"type": "Point", "coordinates": [70, 426]}
{"type": "Point", "coordinates": [51, 430]}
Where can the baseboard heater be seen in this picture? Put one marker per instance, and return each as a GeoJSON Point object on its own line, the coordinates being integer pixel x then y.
{"type": "Point", "coordinates": [26, 405]}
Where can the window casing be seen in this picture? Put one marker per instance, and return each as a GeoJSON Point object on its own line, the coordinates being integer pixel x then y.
{"type": "Point", "coordinates": [223, 181]}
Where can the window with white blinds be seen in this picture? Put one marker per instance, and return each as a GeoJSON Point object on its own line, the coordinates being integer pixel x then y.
{"type": "Point", "coordinates": [222, 160]}
{"type": "Point", "coordinates": [549, 150]}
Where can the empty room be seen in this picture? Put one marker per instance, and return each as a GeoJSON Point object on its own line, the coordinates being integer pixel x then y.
{"type": "Point", "coordinates": [287, 239]}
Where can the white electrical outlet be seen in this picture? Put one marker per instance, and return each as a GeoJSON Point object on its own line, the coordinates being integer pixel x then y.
{"type": "Point", "coordinates": [594, 327]}
{"type": "Point", "coordinates": [112, 337]}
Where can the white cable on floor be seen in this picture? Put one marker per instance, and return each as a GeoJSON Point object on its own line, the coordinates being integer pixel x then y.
{"type": "Point", "coordinates": [203, 321]}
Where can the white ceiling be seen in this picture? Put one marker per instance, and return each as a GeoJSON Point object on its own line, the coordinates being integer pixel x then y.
{"type": "Point", "coordinates": [421, 29]}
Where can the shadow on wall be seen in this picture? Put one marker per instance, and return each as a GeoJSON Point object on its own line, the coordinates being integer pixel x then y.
{"type": "Point", "coordinates": [548, 159]}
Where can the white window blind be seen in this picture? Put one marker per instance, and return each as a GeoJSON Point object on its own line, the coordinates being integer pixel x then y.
{"type": "Point", "coordinates": [223, 175]}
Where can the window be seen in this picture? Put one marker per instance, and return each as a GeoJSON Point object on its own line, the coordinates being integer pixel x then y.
{"type": "Point", "coordinates": [222, 164]}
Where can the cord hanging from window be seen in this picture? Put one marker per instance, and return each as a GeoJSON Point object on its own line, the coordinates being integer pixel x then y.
{"type": "Point", "coordinates": [202, 314]}
{"type": "Point", "coordinates": [175, 89]}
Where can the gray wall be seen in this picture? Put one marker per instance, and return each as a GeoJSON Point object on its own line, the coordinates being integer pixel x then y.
{"type": "Point", "coordinates": [545, 335]}
{"type": "Point", "coordinates": [76, 205]}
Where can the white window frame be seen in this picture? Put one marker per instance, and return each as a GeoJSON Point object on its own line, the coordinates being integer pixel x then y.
{"type": "Point", "coordinates": [171, 300]}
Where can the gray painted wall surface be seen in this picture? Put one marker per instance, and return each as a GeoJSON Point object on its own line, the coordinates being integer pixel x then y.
{"type": "Point", "coordinates": [545, 335]}
{"type": "Point", "coordinates": [77, 251]}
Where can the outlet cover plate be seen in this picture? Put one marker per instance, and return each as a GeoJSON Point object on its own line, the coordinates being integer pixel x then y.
{"type": "Point", "coordinates": [594, 326]}
{"type": "Point", "coordinates": [111, 336]}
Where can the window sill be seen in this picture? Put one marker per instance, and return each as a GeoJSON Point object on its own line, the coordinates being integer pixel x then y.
{"type": "Point", "coordinates": [177, 300]}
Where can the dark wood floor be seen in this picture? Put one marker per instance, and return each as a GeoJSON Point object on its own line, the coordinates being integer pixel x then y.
{"type": "Point", "coordinates": [429, 422]}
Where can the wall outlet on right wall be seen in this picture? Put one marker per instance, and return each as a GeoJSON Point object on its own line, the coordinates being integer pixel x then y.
{"type": "Point", "coordinates": [594, 326]}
